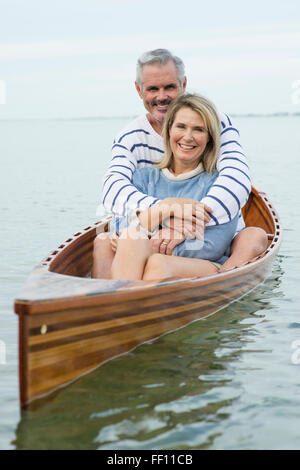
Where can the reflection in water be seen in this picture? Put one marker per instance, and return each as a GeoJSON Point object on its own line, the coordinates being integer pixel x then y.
{"type": "Point", "coordinates": [173, 393]}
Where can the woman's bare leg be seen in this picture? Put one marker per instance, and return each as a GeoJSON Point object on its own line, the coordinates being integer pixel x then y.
{"type": "Point", "coordinates": [103, 256]}
{"type": "Point", "coordinates": [134, 248]}
{"type": "Point", "coordinates": [160, 267]}
{"type": "Point", "coordinates": [246, 245]}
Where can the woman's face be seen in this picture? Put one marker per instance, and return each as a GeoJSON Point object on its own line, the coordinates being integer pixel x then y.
{"type": "Point", "coordinates": [188, 138]}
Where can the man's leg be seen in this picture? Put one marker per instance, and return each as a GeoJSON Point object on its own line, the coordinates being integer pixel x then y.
{"type": "Point", "coordinates": [246, 245]}
{"type": "Point", "coordinates": [103, 256]}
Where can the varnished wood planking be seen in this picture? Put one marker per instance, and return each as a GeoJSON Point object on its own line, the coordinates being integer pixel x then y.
{"type": "Point", "coordinates": [62, 327]}
{"type": "Point", "coordinates": [113, 336]}
{"type": "Point", "coordinates": [110, 345]}
{"type": "Point", "coordinates": [77, 357]}
{"type": "Point", "coordinates": [107, 311]}
{"type": "Point", "coordinates": [142, 291]}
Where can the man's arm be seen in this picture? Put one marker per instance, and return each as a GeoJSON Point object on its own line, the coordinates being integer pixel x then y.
{"type": "Point", "coordinates": [118, 192]}
{"type": "Point", "coordinates": [231, 189]}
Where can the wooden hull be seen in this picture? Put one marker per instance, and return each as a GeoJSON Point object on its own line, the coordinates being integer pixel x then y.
{"type": "Point", "coordinates": [69, 325]}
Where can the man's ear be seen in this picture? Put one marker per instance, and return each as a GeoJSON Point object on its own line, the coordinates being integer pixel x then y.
{"type": "Point", "coordinates": [184, 83]}
{"type": "Point", "coordinates": [138, 89]}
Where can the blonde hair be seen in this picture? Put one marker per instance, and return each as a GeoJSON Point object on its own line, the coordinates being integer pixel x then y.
{"type": "Point", "coordinates": [208, 113]}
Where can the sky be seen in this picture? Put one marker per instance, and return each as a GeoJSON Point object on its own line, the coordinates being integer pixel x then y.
{"type": "Point", "coordinates": [77, 58]}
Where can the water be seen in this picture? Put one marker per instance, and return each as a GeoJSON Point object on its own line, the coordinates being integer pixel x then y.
{"type": "Point", "coordinates": [230, 381]}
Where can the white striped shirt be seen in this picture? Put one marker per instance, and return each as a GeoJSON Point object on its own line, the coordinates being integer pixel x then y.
{"type": "Point", "coordinates": [138, 145]}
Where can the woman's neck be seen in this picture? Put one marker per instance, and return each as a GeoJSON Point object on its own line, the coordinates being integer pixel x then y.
{"type": "Point", "coordinates": [177, 168]}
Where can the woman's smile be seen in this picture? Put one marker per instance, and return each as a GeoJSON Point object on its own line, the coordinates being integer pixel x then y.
{"type": "Point", "coordinates": [186, 147]}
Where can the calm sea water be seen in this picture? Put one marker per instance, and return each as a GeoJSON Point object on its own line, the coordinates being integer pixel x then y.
{"type": "Point", "coordinates": [231, 381]}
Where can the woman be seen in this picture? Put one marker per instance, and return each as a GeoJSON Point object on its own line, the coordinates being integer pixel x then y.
{"type": "Point", "coordinates": [180, 180]}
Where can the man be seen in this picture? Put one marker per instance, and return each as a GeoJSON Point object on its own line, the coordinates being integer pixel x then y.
{"type": "Point", "coordinates": [160, 79]}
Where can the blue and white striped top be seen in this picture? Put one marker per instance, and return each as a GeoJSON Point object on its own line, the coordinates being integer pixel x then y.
{"type": "Point", "coordinates": [138, 145]}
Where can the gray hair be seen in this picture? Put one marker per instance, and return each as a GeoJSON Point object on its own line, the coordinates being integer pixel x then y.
{"type": "Point", "coordinates": [162, 57]}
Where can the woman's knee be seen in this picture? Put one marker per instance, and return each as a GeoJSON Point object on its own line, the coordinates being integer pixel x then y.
{"type": "Point", "coordinates": [156, 267]}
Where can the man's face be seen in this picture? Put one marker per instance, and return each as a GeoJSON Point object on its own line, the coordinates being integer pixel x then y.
{"type": "Point", "coordinates": [160, 85]}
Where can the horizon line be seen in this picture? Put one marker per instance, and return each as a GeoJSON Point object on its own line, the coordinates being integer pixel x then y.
{"type": "Point", "coordinates": [95, 118]}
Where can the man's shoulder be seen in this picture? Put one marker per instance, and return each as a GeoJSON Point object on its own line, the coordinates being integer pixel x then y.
{"type": "Point", "coordinates": [225, 120]}
{"type": "Point", "coordinates": [139, 126]}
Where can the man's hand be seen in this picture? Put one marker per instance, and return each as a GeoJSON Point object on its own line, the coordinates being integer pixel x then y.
{"type": "Point", "coordinates": [165, 240]}
{"type": "Point", "coordinates": [114, 241]}
{"type": "Point", "coordinates": [186, 215]}
{"type": "Point", "coordinates": [185, 227]}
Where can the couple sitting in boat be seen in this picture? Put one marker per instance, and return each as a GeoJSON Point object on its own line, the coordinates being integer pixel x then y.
{"type": "Point", "coordinates": [176, 199]}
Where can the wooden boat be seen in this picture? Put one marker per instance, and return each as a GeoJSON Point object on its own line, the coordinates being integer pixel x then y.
{"type": "Point", "coordinates": [69, 324]}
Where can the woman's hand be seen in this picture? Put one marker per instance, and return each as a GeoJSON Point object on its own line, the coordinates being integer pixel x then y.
{"type": "Point", "coordinates": [165, 240]}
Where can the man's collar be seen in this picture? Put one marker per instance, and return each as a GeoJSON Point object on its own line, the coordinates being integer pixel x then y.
{"type": "Point", "coordinates": [156, 125]}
